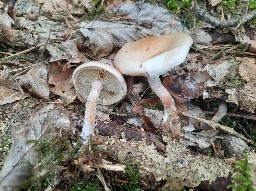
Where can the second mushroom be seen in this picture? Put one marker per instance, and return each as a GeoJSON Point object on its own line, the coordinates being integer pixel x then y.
{"type": "Point", "coordinates": [152, 57]}
{"type": "Point", "coordinates": [96, 82]}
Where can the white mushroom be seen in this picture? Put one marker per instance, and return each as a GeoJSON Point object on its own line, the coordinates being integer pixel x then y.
{"type": "Point", "coordinates": [100, 83]}
{"type": "Point", "coordinates": [152, 57]}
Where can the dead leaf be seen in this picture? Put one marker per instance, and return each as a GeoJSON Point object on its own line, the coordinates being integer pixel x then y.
{"type": "Point", "coordinates": [247, 97]}
{"type": "Point", "coordinates": [141, 12]}
{"type": "Point", "coordinates": [218, 71]}
{"type": "Point", "coordinates": [10, 95]}
{"type": "Point", "coordinates": [35, 81]}
{"type": "Point", "coordinates": [252, 47]}
{"type": "Point", "coordinates": [60, 79]}
{"type": "Point", "coordinates": [214, 2]}
{"type": "Point", "coordinates": [247, 69]}
{"type": "Point", "coordinates": [104, 36]}
{"type": "Point", "coordinates": [46, 122]}
{"type": "Point", "coordinates": [155, 116]}
{"type": "Point", "coordinates": [10, 90]}
{"type": "Point", "coordinates": [65, 51]}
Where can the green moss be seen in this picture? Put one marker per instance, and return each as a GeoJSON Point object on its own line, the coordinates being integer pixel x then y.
{"type": "Point", "coordinates": [252, 4]}
{"type": "Point", "coordinates": [131, 182]}
{"type": "Point", "coordinates": [96, 12]}
{"type": "Point", "coordinates": [177, 5]}
{"type": "Point", "coordinates": [242, 180]}
{"type": "Point", "coordinates": [230, 4]}
{"type": "Point", "coordinates": [51, 156]}
{"type": "Point", "coordinates": [93, 184]}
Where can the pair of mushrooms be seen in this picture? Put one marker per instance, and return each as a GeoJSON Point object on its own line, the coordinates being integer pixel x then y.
{"type": "Point", "coordinates": [150, 57]}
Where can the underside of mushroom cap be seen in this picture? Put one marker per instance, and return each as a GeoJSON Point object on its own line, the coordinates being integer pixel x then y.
{"type": "Point", "coordinates": [132, 57]}
{"type": "Point", "coordinates": [114, 86]}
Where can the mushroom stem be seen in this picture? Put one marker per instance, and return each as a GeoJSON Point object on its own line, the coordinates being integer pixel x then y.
{"type": "Point", "coordinates": [170, 119]}
{"type": "Point", "coordinates": [90, 111]}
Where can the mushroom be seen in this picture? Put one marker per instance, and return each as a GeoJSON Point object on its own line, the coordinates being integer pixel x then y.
{"type": "Point", "coordinates": [96, 82]}
{"type": "Point", "coordinates": [152, 57]}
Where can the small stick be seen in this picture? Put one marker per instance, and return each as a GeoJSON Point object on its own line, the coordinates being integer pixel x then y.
{"type": "Point", "coordinates": [218, 126]}
{"type": "Point", "coordinates": [23, 52]}
{"type": "Point", "coordinates": [205, 16]}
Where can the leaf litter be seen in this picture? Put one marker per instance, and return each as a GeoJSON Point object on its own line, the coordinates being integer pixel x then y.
{"type": "Point", "coordinates": [69, 39]}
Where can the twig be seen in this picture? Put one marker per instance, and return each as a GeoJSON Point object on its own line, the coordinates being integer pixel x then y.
{"type": "Point", "coordinates": [218, 126]}
{"type": "Point", "coordinates": [246, 116]}
{"type": "Point", "coordinates": [205, 16]}
{"type": "Point", "coordinates": [22, 52]}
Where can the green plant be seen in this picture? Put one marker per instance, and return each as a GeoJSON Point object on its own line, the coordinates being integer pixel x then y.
{"type": "Point", "coordinates": [177, 5]}
{"type": "Point", "coordinates": [230, 4]}
{"type": "Point", "coordinates": [92, 185]}
{"type": "Point", "coordinates": [242, 180]}
{"type": "Point", "coordinates": [252, 4]}
{"type": "Point", "coordinates": [132, 174]}
{"type": "Point", "coordinates": [96, 12]}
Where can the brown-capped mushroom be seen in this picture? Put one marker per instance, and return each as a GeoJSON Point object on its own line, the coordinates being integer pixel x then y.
{"type": "Point", "coordinates": [97, 83]}
{"type": "Point", "coordinates": [152, 57]}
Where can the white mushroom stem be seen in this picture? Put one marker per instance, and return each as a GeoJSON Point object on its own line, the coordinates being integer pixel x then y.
{"type": "Point", "coordinates": [90, 111]}
{"type": "Point", "coordinates": [170, 118]}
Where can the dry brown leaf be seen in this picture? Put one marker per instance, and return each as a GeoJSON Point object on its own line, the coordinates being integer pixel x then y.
{"type": "Point", "coordinates": [60, 78]}
{"type": "Point", "coordinates": [35, 81]}
{"type": "Point", "coordinates": [247, 69]}
{"type": "Point", "coordinates": [214, 2]}
{"type": "Point", "coordinates": [247, 97]}
{"type": "Point", "coordinates": [10, 95]}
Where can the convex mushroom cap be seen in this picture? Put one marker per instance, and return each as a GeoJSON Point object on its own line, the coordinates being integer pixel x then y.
{"type": "Point", "coordinates": [113, 84]}
{"type": "Point", "coordinates": [153, 55]}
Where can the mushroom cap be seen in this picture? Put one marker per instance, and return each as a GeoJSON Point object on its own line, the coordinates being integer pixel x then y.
{"type": "Point", "coordinates": [153, 55]}
{"type": "Point", "coordinates": [114, 86]}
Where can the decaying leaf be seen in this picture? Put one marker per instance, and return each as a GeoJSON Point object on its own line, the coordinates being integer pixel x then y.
{"type": "Point", "coordinates": [247, 69]}
{"type": "Point", "coordinates": [46, 122]}
{"type": "Point", "coordinates": [35, 81]}
{"type": "Point", "coordinates": [10, 95]}
{"type": "Point", "coordinates": [218, 71]}
{"type": "Point", "coordinates": [60, 79]}
{"type": "Point", "coordinates": [10, 90]}
{"type": "Point", "coordinates": [65, 51]}
{"type": "Point", "coordinates": [104, 36]}
{"type": "Point", "coordinates": [247, 97]}
{"type": "Point", "coordinates": [158, 21]}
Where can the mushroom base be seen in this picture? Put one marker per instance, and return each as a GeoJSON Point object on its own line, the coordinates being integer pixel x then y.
{"type": "Point", "coordinates": [170, 120]}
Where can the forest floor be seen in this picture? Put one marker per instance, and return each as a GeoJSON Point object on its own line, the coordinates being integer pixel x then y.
{"type": "Point", "coordinates": [41, 116]}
